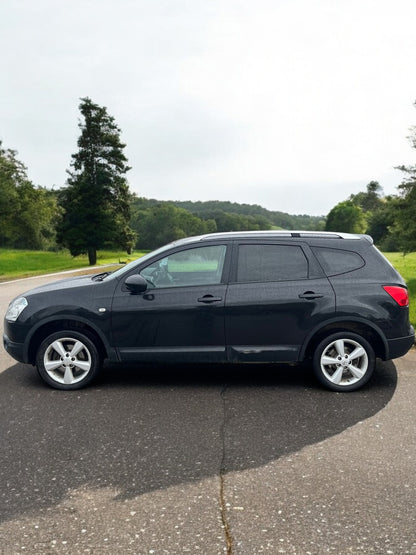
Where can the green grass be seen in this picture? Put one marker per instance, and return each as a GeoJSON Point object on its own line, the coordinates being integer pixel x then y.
{"type": "Point", "coordinates": [406, 265]}
{"type": "Point", "coordinates": [24, 263]}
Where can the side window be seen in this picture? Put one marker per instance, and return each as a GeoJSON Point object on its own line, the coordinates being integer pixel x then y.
{"type": "Point", "coordinates": [271, 263]}
{"type": "Point", "coordinates": [199, 266]}
{"type": "Point", "coordinates": [336, 261]}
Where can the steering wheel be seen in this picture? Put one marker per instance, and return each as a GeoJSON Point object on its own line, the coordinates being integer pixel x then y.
{"type": "Point", "coordinates": [160, 276]}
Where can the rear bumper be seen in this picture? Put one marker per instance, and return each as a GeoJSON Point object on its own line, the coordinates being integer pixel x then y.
{"type": "Point", "coordinates": [15, 350]}
{"type": "Point", "coordinates": [399, 347]}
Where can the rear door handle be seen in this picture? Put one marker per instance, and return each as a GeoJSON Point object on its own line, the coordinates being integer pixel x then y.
{"type": "Point", "coordinates": [310, 295]}
{"type": "Point", "coordinates": [207, 299]}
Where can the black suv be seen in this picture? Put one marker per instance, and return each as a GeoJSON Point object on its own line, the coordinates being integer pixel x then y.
{"type": "Point", "coordinates": [230, 297]}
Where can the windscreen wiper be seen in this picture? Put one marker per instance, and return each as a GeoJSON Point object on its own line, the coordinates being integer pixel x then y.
{"type": "Point", "coordinates": [100, 277]}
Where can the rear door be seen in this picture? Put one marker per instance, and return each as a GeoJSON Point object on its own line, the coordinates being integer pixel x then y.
{"type": "Point", "coordinates": [276, 296]}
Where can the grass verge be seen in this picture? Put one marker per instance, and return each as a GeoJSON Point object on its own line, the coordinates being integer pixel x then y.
{"type": "Point", "coordinates": [25, 263]}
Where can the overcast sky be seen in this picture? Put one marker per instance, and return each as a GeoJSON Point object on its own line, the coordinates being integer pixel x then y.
{"type": "Point", "coordinates": [291, 104]}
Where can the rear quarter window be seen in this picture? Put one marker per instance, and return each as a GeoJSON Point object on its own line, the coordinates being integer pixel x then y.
{"type": "Point", "coordinates": [337, 261]}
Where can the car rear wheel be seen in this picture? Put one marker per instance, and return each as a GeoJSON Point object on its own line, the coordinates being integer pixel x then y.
{"type": "Point", "coordinates": [67, 360]}
{"type": "Point", "coordinates": [344, 361]}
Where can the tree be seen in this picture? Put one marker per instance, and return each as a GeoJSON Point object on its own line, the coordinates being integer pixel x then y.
{"type": "Point", "coordinates": [346, 217]}
{"type": "Point", "coordinates": [370, 200]}
{"type": "Point", "coordinates": [382, 224]}
{"type": "Point", "coordinates": [405, 220]}
{"type": "Point", "coordinates": [36, 218]}
{"type": "Point", "coordinates": [11, 173]}
{"type": "Point", "coordinates": [28, 214]}
{"type": "Point", "coordinates": [96, 201]}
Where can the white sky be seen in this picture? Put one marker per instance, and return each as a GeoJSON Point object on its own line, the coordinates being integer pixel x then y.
{"type": "Point", "coordinates": [291, 104]}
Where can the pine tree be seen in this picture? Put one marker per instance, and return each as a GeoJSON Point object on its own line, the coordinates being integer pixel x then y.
{"type": "Point", "coordinates": [96, 200]}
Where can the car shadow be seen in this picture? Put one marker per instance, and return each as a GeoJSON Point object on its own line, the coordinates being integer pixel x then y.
{"type": "Point", "coordinates": [140, 430]}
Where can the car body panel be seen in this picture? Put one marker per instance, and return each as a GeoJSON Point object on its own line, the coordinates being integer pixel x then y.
{"type": "Point", "coordinates": [236, 319]}
{"type": "Point", "coordinates": [270, 321]}
{"type": "Point", "coordinates": [162, 323]}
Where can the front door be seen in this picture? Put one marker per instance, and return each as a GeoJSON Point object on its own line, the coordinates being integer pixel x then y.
{"type": "Point", "coordinates": [181, 315]}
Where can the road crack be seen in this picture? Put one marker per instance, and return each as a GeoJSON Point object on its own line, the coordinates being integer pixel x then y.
{"type": "Point", "coordinates": [223, 508]}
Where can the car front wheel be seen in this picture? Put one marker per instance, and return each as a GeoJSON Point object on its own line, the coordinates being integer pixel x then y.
{"type": "Point", "coordinates": [344, 361]}
{"type": "Point", "coordinates": [67, 360]}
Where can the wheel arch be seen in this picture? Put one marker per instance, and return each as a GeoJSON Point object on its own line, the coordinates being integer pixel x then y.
{"type": "Point", "coordinates": [367, 330]}
{"type": "Point", "coordinates": [52, 326]}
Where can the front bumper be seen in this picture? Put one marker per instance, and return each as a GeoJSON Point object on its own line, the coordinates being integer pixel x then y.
{"type": "Point", "coordinates": [15, 350]}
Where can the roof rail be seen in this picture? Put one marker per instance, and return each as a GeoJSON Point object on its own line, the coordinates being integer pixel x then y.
{"type": "Point", "coordinates": [286, 233]}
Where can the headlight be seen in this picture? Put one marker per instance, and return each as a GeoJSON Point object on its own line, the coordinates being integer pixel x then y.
{"type": "Point", "coordinates": [15, 309]}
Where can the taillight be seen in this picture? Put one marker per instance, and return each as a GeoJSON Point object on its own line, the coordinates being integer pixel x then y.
{"type": "Point", "coordinates": [399, 294]}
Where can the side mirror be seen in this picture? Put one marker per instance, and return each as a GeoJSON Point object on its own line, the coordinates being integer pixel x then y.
{"type": "Point", "coordinates": [136, 284]}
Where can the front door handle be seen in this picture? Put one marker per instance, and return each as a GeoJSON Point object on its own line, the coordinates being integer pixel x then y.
{"type": "Point", "coordinates": [310, 295]}
{"type": "Point", "coordinates": [207, 299]}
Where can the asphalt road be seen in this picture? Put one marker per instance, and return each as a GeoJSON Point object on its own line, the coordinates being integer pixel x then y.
{"type": "Point", "coordinates": [208, 460]}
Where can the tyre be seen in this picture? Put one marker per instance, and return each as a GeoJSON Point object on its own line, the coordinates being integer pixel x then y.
{"type": "Point", "coordinates": [344, 361]}
{"type": "Point", "coordinates": [68, 360]}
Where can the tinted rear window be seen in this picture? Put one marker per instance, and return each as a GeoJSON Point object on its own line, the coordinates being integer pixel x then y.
{"type": "Point", "coordinates": [271, 263]}
{"type": "Point", "coordinates": [336, 261]}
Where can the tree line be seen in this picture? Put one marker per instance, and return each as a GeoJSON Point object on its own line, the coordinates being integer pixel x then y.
{"type": "Point", "coordinates": [388, 219]}
{"type": "Point", "coordinates": [96, 209]}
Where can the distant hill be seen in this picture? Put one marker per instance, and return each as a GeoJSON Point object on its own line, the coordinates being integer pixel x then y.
{"type": "Point", "coordinates": [158, 222]}
{"type": "Point", "coordinates": [212, 208]}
